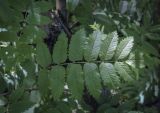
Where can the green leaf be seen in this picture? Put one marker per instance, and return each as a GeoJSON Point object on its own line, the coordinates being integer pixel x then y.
{"type": "Point", "coordinates": [72, 4]}
{"type": "Point", "coordinates": [23, 51]}
{"type": "Point", "coordinates": [148, 48]}
{"type": "Point", "coordinates": [52, 110]}
{"type": "Point", "coordinates": [35, 96]}
{"type": "Point", "coordinates": [154, 28]}
{"type": "Point", "coordinates": [111, 110]}
{"type": "Point", "coordinates": [43, 55]}
{"type": "Point", "coordinates": [124, 71]}
{"type": "Point", "coordinates": [108, 46]}
{"type": "Point", "coordinates": [29, 66]}
{"type": "Point", "coordinates": [42, 82]}
{"type": "Point", "coordinates": [32, 32]}
{"type": "Point", "coordinates": [83, 13]}
{"type": "Point", "coordinates": [43, 6]}
{"type": "Point", "coordinates": [109, 76]}
{"type": "Point", "coordinates": [2, 110]}
{"type": "Point", "coordinates": [63, 107]}
{"type": "Point", "coordinates": [60, 49]}
{"type": "Point", "coordinates": [124, 48]}
{"type": "Point", "coordinates": [57, 80]}
{"type": "Point", "coordinates": [77, 45]}
{"type": "Point", "coordinates": [3, 85]}
{"type": "Point", "coordinates": [3, 101]}
{"type": "Point", "coordinates": [17, 94]}
{"type": "Point", "coordinates": [20, 106]}
{"type": "Point", "coordinates": [92, 46]}
{"type": "Point", "coordinates": [92, 79]}
{"type": "Point", "coordinates": [37, 19]}
{"type": "Point", "coordinates": [135, 112]}
{"type": "Point", "coordinates": [8, 36]}
{"type": "Point", "coordinates": [152, 36]}
{"type": "Point", "coordinates": [6, 15]}
{"type": "Point", "coordinates": [19, 5]}
{"type": "Point", "coordinates": [75, 80]}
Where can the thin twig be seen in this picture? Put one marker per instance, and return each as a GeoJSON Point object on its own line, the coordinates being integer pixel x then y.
{"type": "Point", "coordinates": [83, 62]}
{"type": "Point", "coordinates": [26, 90]}
{"type": "Point", "coordinates": [4, 94]}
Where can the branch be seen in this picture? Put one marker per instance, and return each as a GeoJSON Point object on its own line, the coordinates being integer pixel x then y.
{"type": "Point", "coordinates": [83, 62]}
{"type": "Point", "coordinates": [63, 25]}
{"type": "Point", "coordinates": [26, 90]}
{"type": "Point", "coordinates": [4, 94]}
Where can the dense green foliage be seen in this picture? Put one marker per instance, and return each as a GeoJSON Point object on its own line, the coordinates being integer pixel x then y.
{"type": "Point", "coordinates": [110, 65]}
